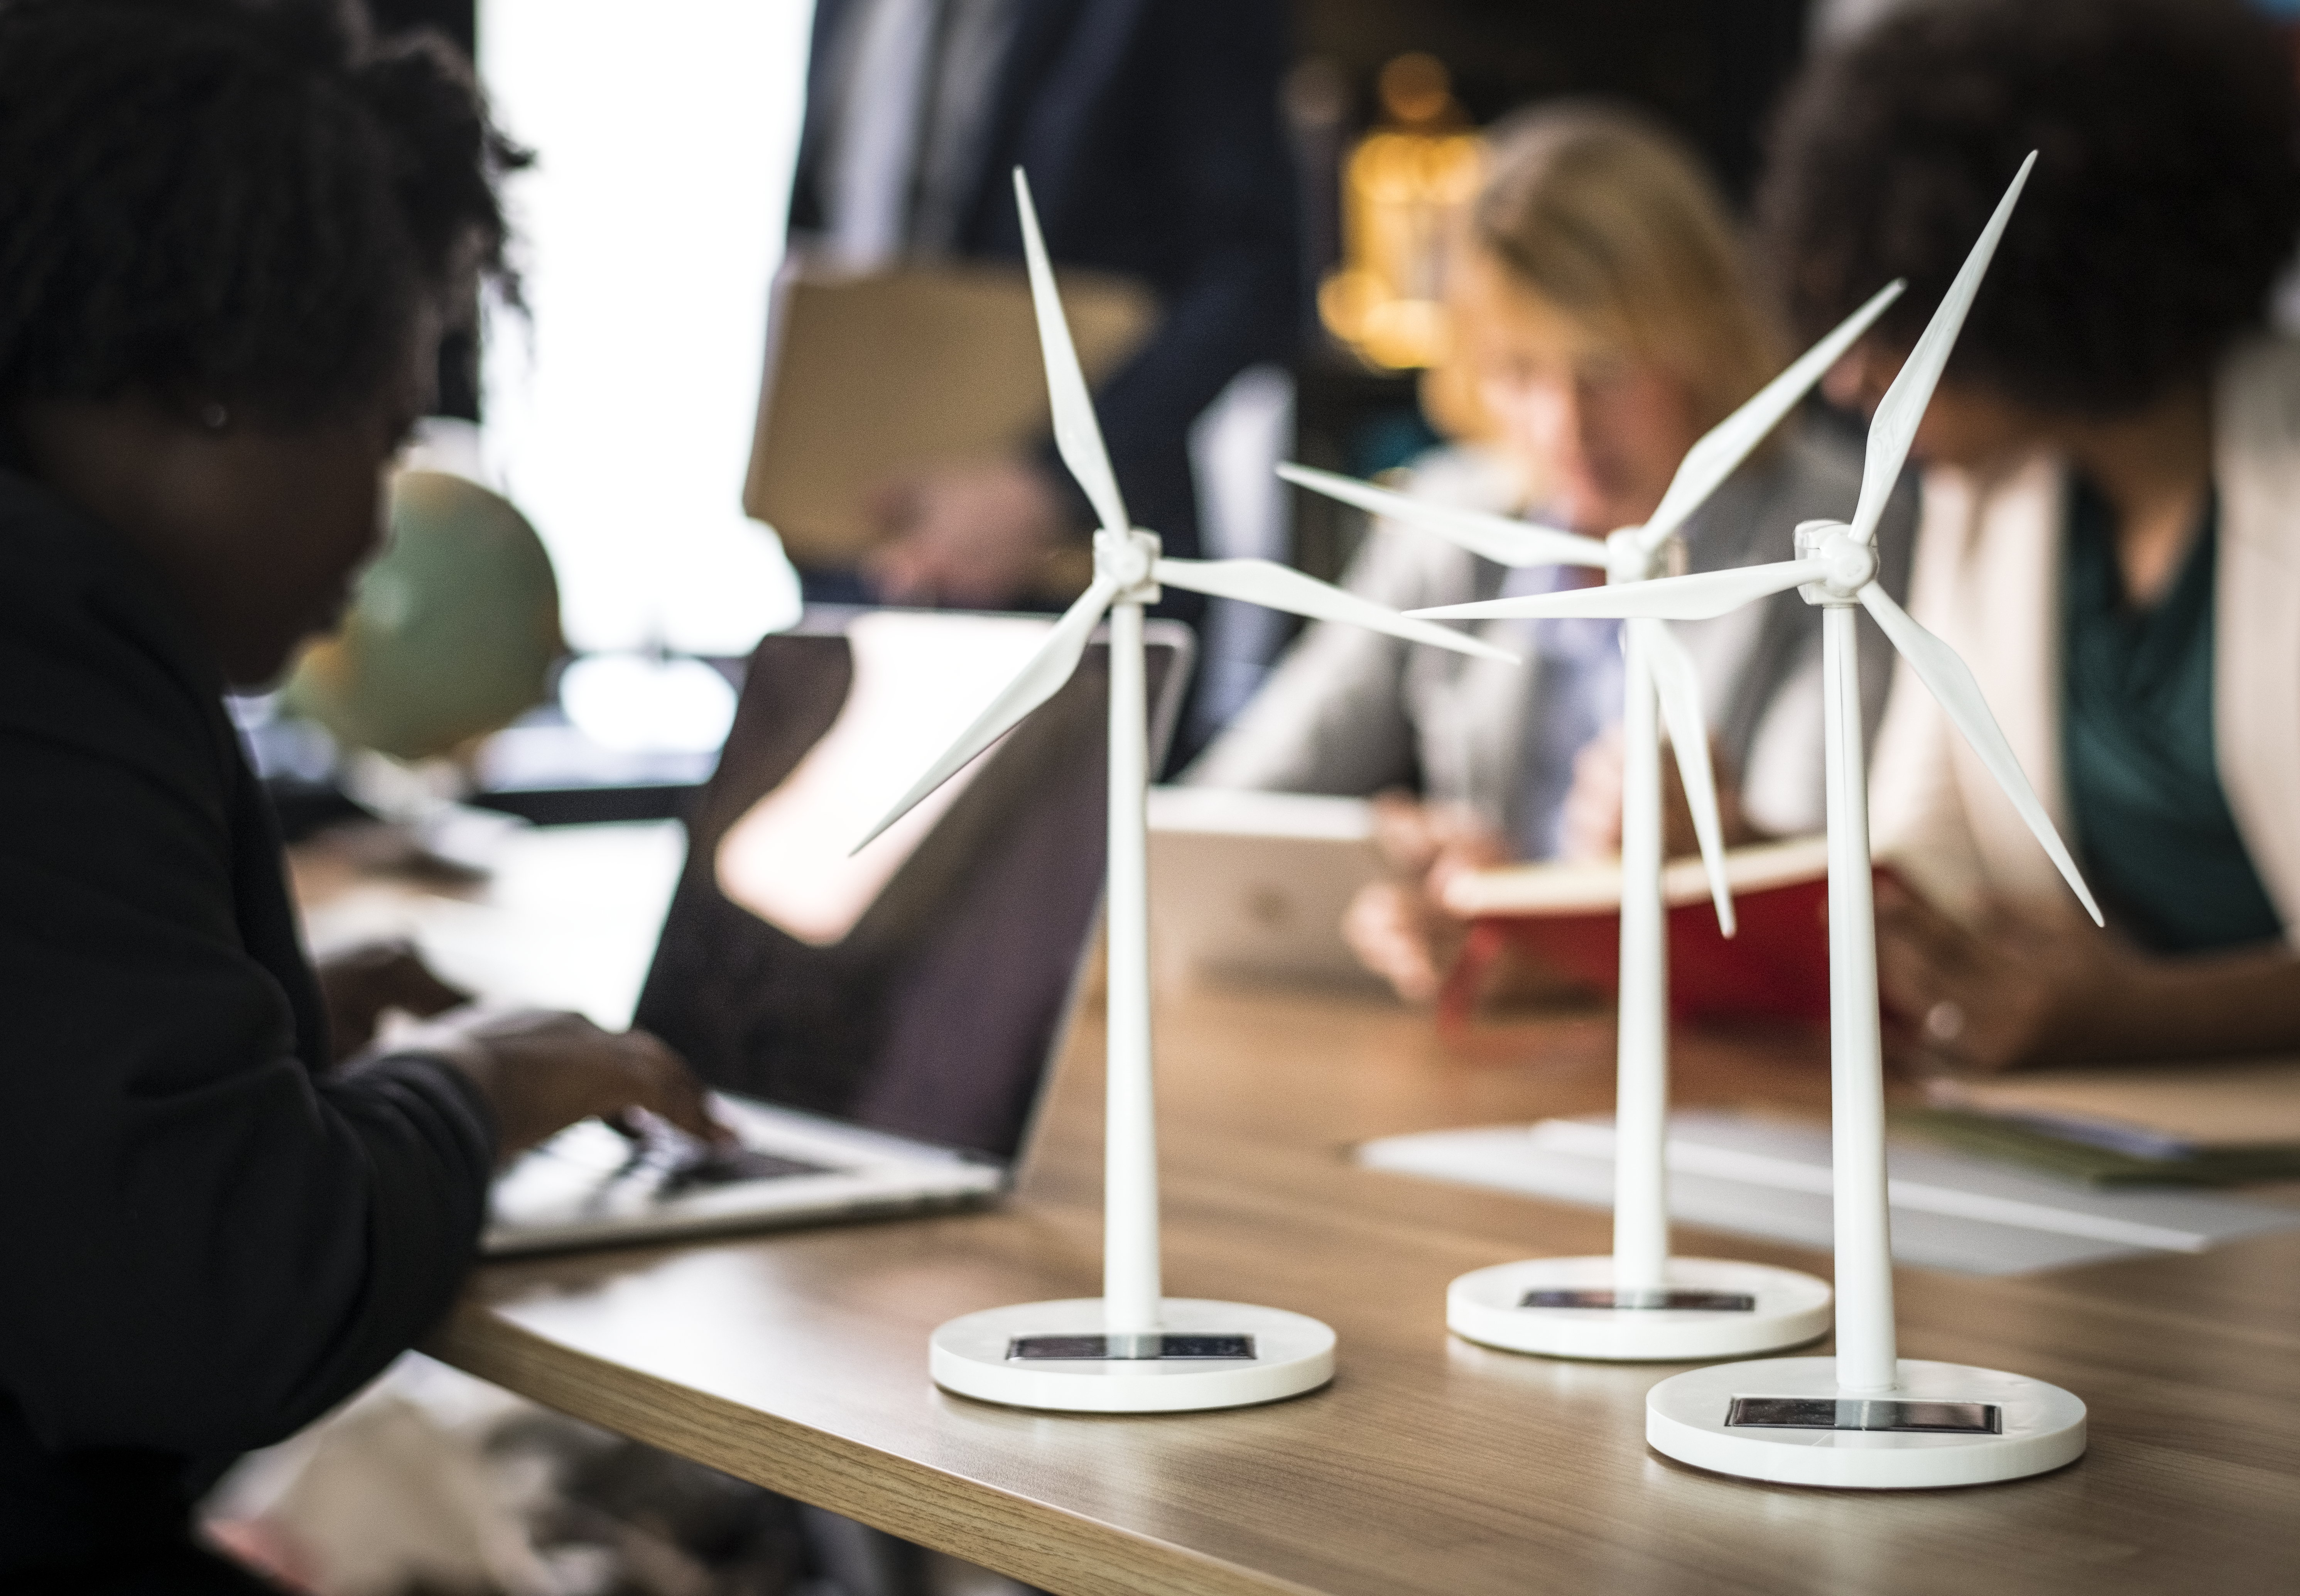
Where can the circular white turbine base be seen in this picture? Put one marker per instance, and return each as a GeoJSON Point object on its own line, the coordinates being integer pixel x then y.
{"type": "Point", "coordinates": [1292, 1353]}
{"type": "Point", "coordinates": [1488, 1306]}
{"type": "Point", "coordinates": [2043, 1427]}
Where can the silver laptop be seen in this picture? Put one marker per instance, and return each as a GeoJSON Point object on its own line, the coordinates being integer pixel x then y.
{"type": "Point", "coordinates": [1253, 886]}
{"type": "Point", "coordinates": [876, 1029]}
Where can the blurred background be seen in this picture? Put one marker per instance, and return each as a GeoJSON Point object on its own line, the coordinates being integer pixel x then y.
{"type": "Point", "coordinates": [617, 410]}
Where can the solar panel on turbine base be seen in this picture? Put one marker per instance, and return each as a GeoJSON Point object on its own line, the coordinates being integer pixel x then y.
{"type": "Point", "coordinates": [1943, 1424]}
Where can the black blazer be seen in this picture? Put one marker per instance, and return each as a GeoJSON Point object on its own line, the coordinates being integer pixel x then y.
{"type": "Point", "coordinates": [1150, 131]}
{"type": "Point", "coordinates": [205, 1240]}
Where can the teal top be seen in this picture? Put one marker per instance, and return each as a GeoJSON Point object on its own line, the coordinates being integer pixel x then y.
{"type": "Point", "coordinates": [2159, 843]}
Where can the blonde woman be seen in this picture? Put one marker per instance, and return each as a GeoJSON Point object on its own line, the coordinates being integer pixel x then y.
{"type": "Point", "coordinates": [1605, 321]}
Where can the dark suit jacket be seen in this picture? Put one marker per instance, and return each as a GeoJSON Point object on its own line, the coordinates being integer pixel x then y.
{"type": "Point", "coordinates": [1150, 131]}
{"type": "Point", "coordinates": [206, 1241]}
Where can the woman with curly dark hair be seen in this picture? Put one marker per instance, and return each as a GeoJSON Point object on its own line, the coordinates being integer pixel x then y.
{"type": "Point", "coordinates": [230, 233]}
{"type": "Point", "coordinates": [2111, 529]}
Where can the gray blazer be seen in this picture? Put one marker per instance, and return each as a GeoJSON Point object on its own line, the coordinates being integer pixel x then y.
{"type": "Point", "coordinates": [1352, 712]}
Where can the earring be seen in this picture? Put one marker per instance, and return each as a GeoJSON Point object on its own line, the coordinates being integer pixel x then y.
{"type": "Point", "coordinates": [214, 416]}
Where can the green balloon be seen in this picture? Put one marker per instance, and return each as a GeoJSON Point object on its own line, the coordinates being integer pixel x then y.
{"type": "Point", "coordinates": [450, 634]}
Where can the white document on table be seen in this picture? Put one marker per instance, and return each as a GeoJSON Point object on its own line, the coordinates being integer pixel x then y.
{"type": "Point", "coordinates": [1769, 1178]}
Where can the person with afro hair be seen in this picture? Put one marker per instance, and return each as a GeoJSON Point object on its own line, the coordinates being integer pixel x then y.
{"type": "Point", "coordinates": [2111, 508]}
{"type": "Point", "coordinates": [230, 234]}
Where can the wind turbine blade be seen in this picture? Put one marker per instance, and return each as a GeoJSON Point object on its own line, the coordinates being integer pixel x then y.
{"type": "Point", "coordinates": [1498, 538]}
{"type": "Point", "coordinates": [1678, 685]}
{"type": "Point", "coordinates": [1037, 681]}
{"type": "Point", "coordinates": [1951, 683]}
{"type": "Point", "coordinates": [1077, 434]}
{"type": "Point", "coordinates": [1722, 448]}
{"type": "Point", "coordinates": [1695, 597]}
{"type": "Point", "coordinates": [1894, 427]}
{"type": "Point", "coordinates": [1283, 588]}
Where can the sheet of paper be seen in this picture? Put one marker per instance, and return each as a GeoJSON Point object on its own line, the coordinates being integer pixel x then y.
{"type": "Point", "coordinates": [1579, 887]}
{"type": "Point", "coordinates": [1769, 1178]}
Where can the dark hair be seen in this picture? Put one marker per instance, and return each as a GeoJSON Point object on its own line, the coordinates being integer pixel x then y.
{"type": "Point", "coordinates": [2165, 200]}
{"type": "Point", "coordinates": [238, 199]}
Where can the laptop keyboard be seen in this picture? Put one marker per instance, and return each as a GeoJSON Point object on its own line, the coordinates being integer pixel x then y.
{"type": "Point", "coordinates": [727, 1167]}
{"type": "Point", "coordinates": [590, 1175]}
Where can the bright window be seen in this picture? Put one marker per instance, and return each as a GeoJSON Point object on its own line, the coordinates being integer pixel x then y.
{"type": "Point", "coordinates": [619, 416]}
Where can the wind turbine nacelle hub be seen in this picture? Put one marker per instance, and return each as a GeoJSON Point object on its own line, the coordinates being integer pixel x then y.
{"type": "Point", "coordinates": [1129, 560]}
{"type": "Point", "coordinates": [1628, 560]}
{"type": "Point", "coordinates": [1852, 563]}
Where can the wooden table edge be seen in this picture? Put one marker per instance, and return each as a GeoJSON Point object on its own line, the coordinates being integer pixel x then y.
{"type": "Point", "coordinates": [1042, 1544]}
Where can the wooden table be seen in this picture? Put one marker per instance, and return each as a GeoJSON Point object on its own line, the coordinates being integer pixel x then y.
{"type": "Point", "coordinates": [799, 1361]}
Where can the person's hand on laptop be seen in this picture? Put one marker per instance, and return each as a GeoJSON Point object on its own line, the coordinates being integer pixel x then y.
{"type": "Point", "coordinates": [1400, 927]}
{"type": "Point", "coordinates": [542, 1072]}
{"type": "Point", "coordinates": [965, 537]}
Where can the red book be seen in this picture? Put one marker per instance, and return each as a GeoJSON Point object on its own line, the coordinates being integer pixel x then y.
{"type": "Point", "coordinates": [1567, 918]}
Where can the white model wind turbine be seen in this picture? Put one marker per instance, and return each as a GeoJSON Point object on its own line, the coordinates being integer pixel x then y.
{"type": "Point", "coordinates": [1640, 1302]}
{"type": "Point", "coordinates": [1866, 1418]}
{"type": "Point", "coordinates": [1132, 1349]}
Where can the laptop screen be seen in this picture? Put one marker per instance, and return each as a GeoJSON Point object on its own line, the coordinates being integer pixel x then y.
{"type": "Point", "coordinates": [918, 987]}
